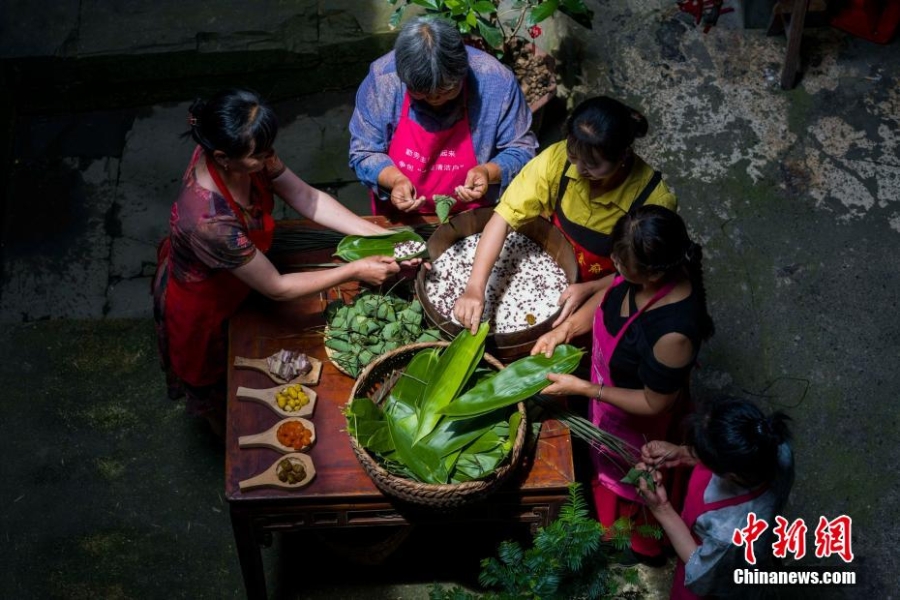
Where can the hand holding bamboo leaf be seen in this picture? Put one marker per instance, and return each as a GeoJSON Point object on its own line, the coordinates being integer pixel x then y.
{"type": "Point", "coordinates": [442, 206]}
{"type": "Point", "coordinates": [520, 380]}
{"type": "Point", "coordinates": [547, 343]}
{"type": "Point", "coordinates": [563, 384]}
{"type": "Point", "coordinates": [355, 247]}
{"type": "Point", "coordinates": [646, 476]}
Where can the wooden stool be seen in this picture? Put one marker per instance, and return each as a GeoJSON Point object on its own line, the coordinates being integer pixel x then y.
{"type": "Point", "coordinates": [788, 17]}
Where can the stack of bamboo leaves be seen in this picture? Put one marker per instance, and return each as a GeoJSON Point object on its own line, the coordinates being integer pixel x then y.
{"type": "Point", "coordinates": [446, 419]}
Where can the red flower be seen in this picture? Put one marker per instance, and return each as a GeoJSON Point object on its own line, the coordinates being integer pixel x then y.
{"type": "Point", "coordinates": [535, 31]}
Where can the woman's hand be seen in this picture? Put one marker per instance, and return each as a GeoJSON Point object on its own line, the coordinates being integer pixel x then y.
{"type": "Point", "coordinates": [548, 342]}
{"type": "Point", "coordinates": [468, 310]}
{"type": "Point", "coordinates": [565, 384]}
{"type": "Point", "coordinates": [657, 498]}
{"type": "Point", "coordinates": [573, 297]}
{"type": "Point", "coordinates": [477, 180]}
{"type": "Point", "coordinates": [664, 455]}
{"type": "Point", "coordinates": [374, 270]}
{"type": "Point", "coordinates": [403, 194]}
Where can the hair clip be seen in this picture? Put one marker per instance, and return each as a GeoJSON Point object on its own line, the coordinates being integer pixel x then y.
{"type": "Point", "coordinates": [192, 120]}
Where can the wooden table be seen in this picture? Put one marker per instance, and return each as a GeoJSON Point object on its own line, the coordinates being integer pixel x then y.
{"type": "Point", "coordinates": [342, 494]}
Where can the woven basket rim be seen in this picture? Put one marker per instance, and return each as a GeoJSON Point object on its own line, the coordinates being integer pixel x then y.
{"type": "Point", "coordinates": [433, 494]}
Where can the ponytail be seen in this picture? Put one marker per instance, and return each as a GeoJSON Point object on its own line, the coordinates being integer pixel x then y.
{"type": "Point", "coordinates": [693, 257]}
{"type": "Point", "coordinates": [733, 436]}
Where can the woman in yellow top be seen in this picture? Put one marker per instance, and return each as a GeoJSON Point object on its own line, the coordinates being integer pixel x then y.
{"type": "Point", "coordinates": [583, 185]}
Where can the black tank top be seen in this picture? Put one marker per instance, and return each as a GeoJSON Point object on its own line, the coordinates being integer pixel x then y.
{"type": "Point", "coordinates": [633, 365]}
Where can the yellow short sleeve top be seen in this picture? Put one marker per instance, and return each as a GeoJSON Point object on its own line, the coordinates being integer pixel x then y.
{"type": "Point", "coordinates": [532, 193]}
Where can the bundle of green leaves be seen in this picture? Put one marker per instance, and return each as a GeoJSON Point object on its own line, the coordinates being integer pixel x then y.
{"type": "Point", "coordinates": [371, 325]}
{"type": "Point", "coordinates": [447, 418]}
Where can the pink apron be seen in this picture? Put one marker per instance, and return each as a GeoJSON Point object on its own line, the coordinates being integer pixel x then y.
{"type": "Point", "coordinates": [694, 506]}
{"type": "Point", "coordinates": [436, 162]}
{"type": "Point", "coordinates": [633, 429]}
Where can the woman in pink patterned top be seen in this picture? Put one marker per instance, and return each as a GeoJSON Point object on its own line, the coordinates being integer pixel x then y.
{"type": "Point", "coordinates": [221, 226]}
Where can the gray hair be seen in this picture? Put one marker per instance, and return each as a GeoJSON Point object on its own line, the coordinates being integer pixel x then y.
{"type": "Point", "coordinates": [430, 55]}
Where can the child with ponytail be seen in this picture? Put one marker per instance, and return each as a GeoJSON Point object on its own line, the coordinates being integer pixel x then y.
{"type": "Point", "coordinates": [742, 463]}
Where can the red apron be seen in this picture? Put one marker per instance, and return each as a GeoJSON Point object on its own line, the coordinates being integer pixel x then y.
{"type": "Point", "coordinates": [592, 248]}
{"type": "Point", "coordinates": [591, 266]}
{"type": "Point", "coordinates": [694, 506]}
{"type": "Point", "coordinates": [196, 312]}
{"type": "Point", "coordinates": [436, 162]}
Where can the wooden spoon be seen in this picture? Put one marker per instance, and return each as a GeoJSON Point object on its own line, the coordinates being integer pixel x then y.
{"type": "Point", "coordinates": [268, 478]}
{"type": "Point", "coordinates": [269, 438]}
{"type": "Point", "coordinates": [260, 364]}
{"type": "Point", "coordinates": [267, 396]}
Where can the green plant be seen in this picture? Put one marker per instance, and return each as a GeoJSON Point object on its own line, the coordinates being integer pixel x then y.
{"type": "Point", "coordinates": [494, 22]}
{"type": "Point", "coordinates": [567, 560]}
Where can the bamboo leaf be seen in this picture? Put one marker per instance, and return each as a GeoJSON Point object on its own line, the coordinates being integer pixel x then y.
{"type": "Point", "coordinates": [424, 463]}
{"type": "Point", "coordinates": [401, 423]}
{"type": "Point", "coordinates": [481, 457]}
{"type": "Point", "coordinates": [380, 442]}
{"type": "Point", "coordinates": [364, 417]}
{"type": "Point", "coordinates": [410, 388]}
{"type": "Point", "coordinates": [518, 381]}
{"type": "Point", "coordinates": [634, 477]}
{"type": "Point", "coordinates": [451, 435]}
{"type": "Point", "coordinates": [450, 374]}
{"type": "Point", "coordinates": [443, 204]}
{"type": "Point", "coordinates": [354, 247]}
{"type": "Point", "coordinates": [367, 423]}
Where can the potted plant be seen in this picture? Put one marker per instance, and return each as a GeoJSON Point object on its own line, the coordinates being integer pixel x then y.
{"type": "Point", "coordinates": [566, 560]}
{"type": "Point", "coordinates": [500, 27]}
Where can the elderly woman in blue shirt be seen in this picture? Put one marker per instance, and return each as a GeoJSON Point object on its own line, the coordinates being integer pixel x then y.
{"type": "Point", "coordinates": [435, 116]}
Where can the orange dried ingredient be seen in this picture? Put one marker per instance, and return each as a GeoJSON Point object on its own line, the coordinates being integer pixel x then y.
{"type": "Point", "coordinates": [294, 435]}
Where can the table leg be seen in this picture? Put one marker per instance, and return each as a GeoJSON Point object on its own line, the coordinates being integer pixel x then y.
{"type": "Point", "coordinates": [249, 555]}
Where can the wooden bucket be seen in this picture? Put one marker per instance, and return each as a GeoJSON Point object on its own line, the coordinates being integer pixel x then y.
{"type": "Point", "coordinates": [506, 347]}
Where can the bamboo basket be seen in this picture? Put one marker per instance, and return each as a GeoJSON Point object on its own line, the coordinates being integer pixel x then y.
{"type": "Point", "coordinates": [438, 496]}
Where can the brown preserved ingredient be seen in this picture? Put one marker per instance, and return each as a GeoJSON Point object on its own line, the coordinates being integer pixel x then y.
{"type": "Point", "coordinates": [290, 471]}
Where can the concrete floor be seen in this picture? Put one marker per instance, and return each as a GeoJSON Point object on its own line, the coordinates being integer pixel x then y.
{"type": "Point", "coordinates": [111, 492]}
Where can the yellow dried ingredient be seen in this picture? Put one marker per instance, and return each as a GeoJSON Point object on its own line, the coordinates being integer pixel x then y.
{"type": "Point", "coordinates": [291, 398]}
